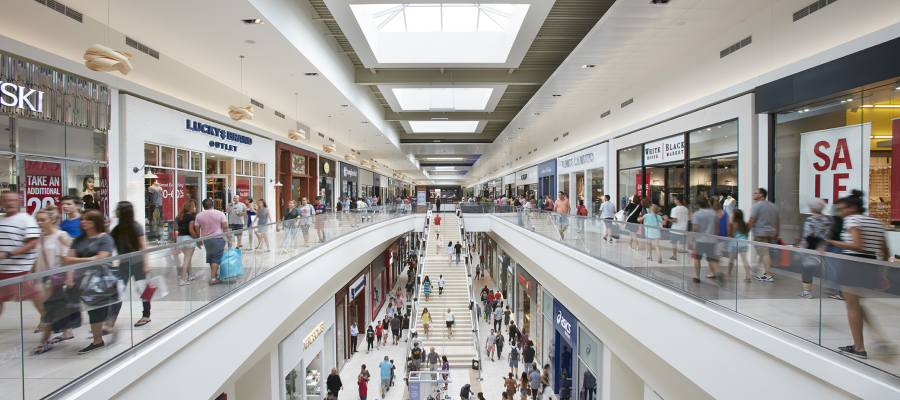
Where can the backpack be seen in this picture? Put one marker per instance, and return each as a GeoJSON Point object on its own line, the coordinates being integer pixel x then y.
{"type": "Point", "coordinates": [582, 211]}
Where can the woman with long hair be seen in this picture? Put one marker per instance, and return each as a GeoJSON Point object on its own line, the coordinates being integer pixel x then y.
{"type": "Point", "coordinates": [251, 213]}
{"type": "Point", "coordinates": [93, 244]}
{"type": "Point", "coordinates": [129, 237]}
{"type": "Point", "coordinates": [426, 321]}
{"type": "Point", "coordinates": [186, 232]}
{"type": "Point", "coordinates": [738, 229]}
{"type": "Point", "coordinates": [262, 220]}
{"type": "Point", "coordinates": [426, 287]}
{"type": "Point", "coordinates": [633, 212]}
{"type": "Point", "coordinates": [52, 246]}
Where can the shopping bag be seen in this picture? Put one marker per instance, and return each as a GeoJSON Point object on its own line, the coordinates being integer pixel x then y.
{"type": "Point", "coordinates": [780, 258]}
{"type": "Point", "coordinates": [232, 266]}
{"type": "Point", "coordinates": [98, 287]}
{"type": "Point", "coordinates": [152, 289]}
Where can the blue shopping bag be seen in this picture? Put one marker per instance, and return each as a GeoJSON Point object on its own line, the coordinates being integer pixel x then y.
{"type": "Point", "coordinates": [232, 266]}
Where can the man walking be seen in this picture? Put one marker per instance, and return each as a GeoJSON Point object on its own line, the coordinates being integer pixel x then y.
{"type": "Point", "coordinates": [213, 222]}
{"type": "Point", "coordinates": [72, 223]}
{"type": "Point", "coordinates": [440, 284]}
{"type": "Point", "coordinates": [19, 234]}
{"type": "Point", "coordinates": [765, 223]}
{"type": "Point", "coordinates": [534, 379]}
{"type": "Point", "coordinates": [386, 366]}
{"type": "Point", "coordinates": [354, 335]}
{"type": "Point", "coordinates": [498, 317]}
{"type": "Point", "coordinates": [608, 214]}
{"type": "Point", "coordinates": [320, 218]}
{"type": "Point", "coordinates": [236, 212]}
{"type": "Point", "coordinates": [679, 218]}
{"type": "Point", "coordinates": [416, 354]}
{"type": "Point", "coordinates": [434, 360]}
{"type": "Point", "coordinates": [396, 327]}
{"type": "Point", "coordinates": [458, 248]}
{"type": "Point", "coordinates": [705, 221]}
{"type": "Point", "coordinates": [562, 207]}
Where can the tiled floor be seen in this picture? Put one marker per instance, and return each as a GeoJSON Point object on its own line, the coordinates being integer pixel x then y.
{"type": "Point", "coordinates": [774, 303]}
{"type": "Point", "coordinates": [46, 372]}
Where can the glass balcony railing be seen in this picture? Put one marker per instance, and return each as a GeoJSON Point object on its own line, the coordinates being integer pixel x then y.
{"type": "Point", "coordinates": [50, 318]}
{"type": "Point", "coordinates": [822, 297]}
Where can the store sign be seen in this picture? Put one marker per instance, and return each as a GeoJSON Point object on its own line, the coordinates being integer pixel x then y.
{"type": "Point", "coordinates": [525, 282]}
{"type": "Point", "coordinates": [219, 133]}
{"type": "Point", "coordinates": [563, 321]}
{"type": "Point", "coordinates": [357, 287]}
{"type": "Point", "coordinates": [666, 150]}
{"type": "Point", "coordinates": [590, 158]}
{"type": "Point", "coordinates": [509, 179]}
{"type": "Point", "coordinates": [547, 169]}
{"type": "Point", "coordinates": [313, 335]}
{"type": "Point", "coordinates": [833, 162]}
{"type": "Point", "coordinates": [12, 95]}
{"type": "Point", "coordinates": [349, 173]}
{"type": "Point", "coordinates": [43, 185]}
{"type": "Point", "coordinates": [528, 176]}
{"type": "Point", "coordinates": [243, 189]}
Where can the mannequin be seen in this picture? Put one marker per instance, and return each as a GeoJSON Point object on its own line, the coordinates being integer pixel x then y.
{"type": "Point", "coordinates": [154, 200]}
{"type": "Point", "coordinates": [729, 205]}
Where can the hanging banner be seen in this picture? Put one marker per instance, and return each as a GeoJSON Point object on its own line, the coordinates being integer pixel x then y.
{"type": "Point", "coordinates": [43, 185]}
{"type": "Point", "coordinates": [641, 189]}
{"type": "Point", "coordinates": [833, 162]}
{"type": "Point", "coordinates": [169, 190]}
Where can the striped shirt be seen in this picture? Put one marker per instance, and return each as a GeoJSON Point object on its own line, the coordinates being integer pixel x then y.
{"type": "Point", "coordinates": [871, 232]}
{"type": "Point", "coordinates": [15, 230]}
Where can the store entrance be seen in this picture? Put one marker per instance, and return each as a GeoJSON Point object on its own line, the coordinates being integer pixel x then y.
{"type": "Point", "coordinates": [219, 186]}
{"type": "Point", "coordinates": [665, 182]}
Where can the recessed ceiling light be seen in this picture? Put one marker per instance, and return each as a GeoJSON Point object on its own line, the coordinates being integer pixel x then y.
{"type": "Point", "coordinates": [249, 41]}
{"type": "Point", "coordinates": [557, 95]}
{"type": "Point", "coordinates": [535, 113]}
{"type": "Point", "coordinates": [311, 73]}
{"type": "Point", "coordinates": [379, 135]}
{"type": "Point", "coordinates": [345, 105]}
{"type": "Point", "coordinates": [850, 99]}
{"type": "Point", "coordinates": [709, 129]}
{"type": "Point", "coordinates": [806, 110]}
{"type": "Point", "coordinates": [364, 122]}
{"type": "Point", "coordinates": [589, 66]}
{"type": "Point", "coordinates": [440, 119]}
{"type": "Point", "coordinates": [508, 137]}
{"type": "Point", "coordinates": [253, 21]}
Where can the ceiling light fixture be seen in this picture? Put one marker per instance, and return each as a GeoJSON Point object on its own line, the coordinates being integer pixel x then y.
{"type": "Point", "coordinates": [239, 113]}
{"type": "Point", "coordinates": [250, 41]}
{"type": "Point", "coordinates": [589, 66]}
{"type": "Point", "coordinates": [557, 95]}
{"type": "Point", "coordinates": [253, 21]}
{"type": "Point", "coordinates": [297, 134]}
{"type": "Point", "coordinates": [535, 113]}
{"type": "Point", "coordinates": [345, 105]}
{"type": "Point", "coordinates": [440, 119]}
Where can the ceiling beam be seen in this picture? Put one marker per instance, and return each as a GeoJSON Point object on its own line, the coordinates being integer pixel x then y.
{"type": "Point", "coordinates": [534, 77]}
{"type": "Point", "coordinates": [504, 116]}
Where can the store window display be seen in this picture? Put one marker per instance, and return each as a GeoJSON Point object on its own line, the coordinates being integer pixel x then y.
{"type": "Point", "coordinates": [172, 187]}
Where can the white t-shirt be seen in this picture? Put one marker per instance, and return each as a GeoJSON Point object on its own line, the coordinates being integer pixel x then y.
{"type": "Point", "coordinates": [306, 211]}
{"type": "Point", "coordinates": [14, 232]}
{"type": "Point", "coordinates": [681, 213]}
{"type": "Point", "coordinates": [441, 282]}
{"type": "Point", "coordinates": [448, 316]}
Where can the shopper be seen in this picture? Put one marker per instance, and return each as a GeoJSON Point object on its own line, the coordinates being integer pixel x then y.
{"type": "Point", "coordinates": [437, 240]}
{"type": "Point", "coordinates": [52, 246]}
{"type": "Point", "coordinates": [386, 368]}
{"type": "Point", "coordinates": [386, 328]}
{"type": "Point", "coordinates": [426, 321]}
{"type": "Point", "coordinates": [370, 339]}
{"type": "Point", "coordinates": [562, 208]}
{"type": "Point", "coordinates": [363, 382]}
{"type": "Point", "coordinates": [405, 324]}
{"type": "Point", "coordinates": [93, 244]}
{"type": "Point", "coordinates": [678, 217]}
{"type": "Point", "coordinates": [440, 282]}
{"type": "Point", "coordinates": [861, 236]}
{"type": "Point", "coordinates": [449, 319]}
{"type": "Point", "coordinates": [513, 359]}
{"type": "Point", "coordinates": [582, 213]}
{"type": "Point", "coordinates": [633, 212]}
{"type": "Point", "coordinates": [263, 218]}
{"type": "Point", "coordinates": [534, 380]}
{"type": "Point", "coordinates": [306, 219]}
{"type": "Point", "coordinates": [498, 315]}
{"type": "Point", "coordinates": [649, 220]}
{"type": "Point", "coordinates": [426, 287]}
{"type": "Point", "coordinates": [458, 248]}
{"type": "Point", "coordinates": [506, 313]}
{"type": "Point", "coordinates": [816, 229]}
{"type": "Point", "coordinates": [251, 218]}
{"type": "Point", "coordinates": [705, 222]}
{"type": "Point", "coordinates": [19, 234]}
{"type": "Point", "coordinates": [434, 360]}
{"type": "Point", "coordinates": [354, 335]}
{"type": "Point", "coordinates": [72, 222]}
{"type": "Point", "coordinates": [738, 229]}
{"type": "Point", "coordinates": [450, 252]}
{"type": "Point", "coordinates": [489, 344]}
{"type": "Point", "coordinates": [379, 331]}
{"type": "Point", "coordinates": [565, 387]}
{"type": "Point", "coordinates": [291, 226]}
{"type": "Point", "coordinates": [524, 385]}
{"type": "Point", "coordinates": [236, 211]}
{"type": "Point", "coordinates": [320, 210]}
{"type": "Point", "coordinates": [765, 224]}
{"type": "Point", "coordinates": [187, 231]}
{"type": "Point", "coordinates": [129, 237]}
{"type": "Point", "coordinates": [545, 379]}
{"type": "Point", "coordinates": [212, 222]}
{"type": "Point", "coordinates": [466, 392]}
{"type": "Point", "coordinates": [396, 327]}
{"type": "Point", "coordinates": [416, 355]}
{"type": "Point", "coordinates": [445, 366]}
{"type": "Point", "coordinates": [437, 224]}
{"type": "Point", "coordinates": [333, 383]}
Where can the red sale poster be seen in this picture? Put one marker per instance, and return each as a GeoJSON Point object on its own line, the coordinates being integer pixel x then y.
{"type": "Point", "coordinates": [641, 187]}
{"type": "Point", "coordinates": [165, 183]}
{"type": "Point", "coordinates": [43, 185]}
{"type": "Point", "coordinates": [243, 189]}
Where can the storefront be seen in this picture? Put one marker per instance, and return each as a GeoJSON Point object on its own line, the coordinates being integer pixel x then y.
{"type": "Point", "coordinates": [182, 159]}
{"type": "Point", "coordinates": [582, 175]}
{"type": "Point", "coordinates": [835, 134]}
{"type": "Point", "coordinates": [350, 308]}
{"type": "Point", "coordinates": [489, 251]}
{"type": "Point", "coordinates": [587, 382]}
{"type": "Point", "coordinates": [563, 345]}
{"type": "Point", "coordinates": [380, 284]}
{"type": "Point", "coordinates": [506, 272]}
{"type": "Point", "coordinates": [327, 174]}
{"type": "Point", "coordinates": [526, 182]}
{"type": "Point", "coordinates": [547, 179]}
{"type": "Point", "coordinates": [53, 136]}
{"type": "Point", "coordinates": [349, 175]}
{"type": "Point", "coordinates": [307, 355]}
{"type": "Point", "coordinates": [526, 308]}
{"type": "Point", "coordinates": [509, 186]}
{"type": "Point", "coordinates": [366, 183]}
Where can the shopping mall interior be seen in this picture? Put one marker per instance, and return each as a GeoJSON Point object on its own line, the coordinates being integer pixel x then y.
{"type": "Point", "coordinates": [494, 200]}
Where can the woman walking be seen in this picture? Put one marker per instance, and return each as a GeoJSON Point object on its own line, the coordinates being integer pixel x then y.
{"type": "Point", "coordinates": [652, 218]}
{"type": "Point", "coordinates": [370, 338]}
{"type": "Point", "coordinates": [738, 230]}
{"type": "Point", "coordinates": [379, 332]}
{"type": "Point", "coordinates": [251, 213]}
{"type": "Point", "coordinates": [426, 286]}
{"type": "Point", "coordinates": [262, 222]}
{"type": "Point", "coordinates": [861, 236]}
{"type": "Point", "coordinates": [448, 317]}
{"type": "Point", "coordinates": [52, 246]}
{"type": "Point", "coordinates": [437, 240]}
{"type": "Point", "coordinates": [450, 252]}
{"type": "Point", "coordinates": [290, 226]}
{"type": "Point", "coordinates": [186, 232]}
{"type": "Point", "coordinates": [333, 383]}
{"type": "Point", "coordinates": [632, 210]}
{"type": "Point", "coordinates": [816, 229]}
{"type": "Point", "coordinates": [129, 237]}
{"type": "Point", "coordinates": [93, 244]}
{"type": "Point", "coordinates": [426, 321]}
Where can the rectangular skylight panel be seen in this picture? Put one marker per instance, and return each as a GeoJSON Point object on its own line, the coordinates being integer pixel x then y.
{"type": "Point", "coordinates": [423, 19]}
{"type": "Point", "coordinates": [460, 19]}
{"type": "Point", "coordinates": [449, 99]}
{"type": "Point", "coordinates": [443, 126]}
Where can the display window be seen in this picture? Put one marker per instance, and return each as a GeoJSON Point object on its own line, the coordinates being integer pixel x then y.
{"type": "Point", "coordinates": [829, 148]}
{"type": "Point", "coordinates": [596, 192]}
{"type": "Point", "coordinates": [171, 188]}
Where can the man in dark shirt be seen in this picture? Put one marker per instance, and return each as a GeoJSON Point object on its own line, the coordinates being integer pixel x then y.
{"type": "Point", "coordinates": [458, 248]}
{"type": "Point", "coordinates": [528, 353]}
{"type": "Point", "coordinates": [396, 324]}
{"type": "Point", "coordinates": [417, 357]}
{"type": "Point", "coordinates": [565, 388]}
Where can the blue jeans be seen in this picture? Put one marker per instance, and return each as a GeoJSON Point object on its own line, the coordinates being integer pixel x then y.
{"type": "Point", "coordinates": [457, 258]}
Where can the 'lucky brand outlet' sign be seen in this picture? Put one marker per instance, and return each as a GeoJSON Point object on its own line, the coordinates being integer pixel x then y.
{"type": "Point", "coordinates": [833, 162]}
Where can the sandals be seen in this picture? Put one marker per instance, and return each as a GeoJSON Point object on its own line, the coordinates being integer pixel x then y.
{"type": "Point", "coordinates": [713, 276]}
{"type": "Point", "coordinates": [836, 297]}
{"type": "Point", "coordinates": [39, 329]}
{"type": "Point", "coordinates": [142, 322]}
{"type": "Point", "coordinates": [59, 339]}
{"type": "Point", "coordinates": [41, 349]}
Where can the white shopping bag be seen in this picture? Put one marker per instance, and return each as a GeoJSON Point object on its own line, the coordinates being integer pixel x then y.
{"type": "Point", "coordinates": [161, 288]}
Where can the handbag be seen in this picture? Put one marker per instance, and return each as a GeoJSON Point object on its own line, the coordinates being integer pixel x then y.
{"type": "Point", "coordinates": [232, 266]}
{"type": "Point", "coordinates": [780, 258]}
{"type": "Point", "coordinates": [99, 287]}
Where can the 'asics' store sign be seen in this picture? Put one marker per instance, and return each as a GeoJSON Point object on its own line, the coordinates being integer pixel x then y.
{"type": "Point", "coordinates": [12, 95]}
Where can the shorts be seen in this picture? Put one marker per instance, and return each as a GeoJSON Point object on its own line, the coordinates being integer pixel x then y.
{"type": "Point", "coordinates": [236, 227]}
{"type": "Point", "coordinates": [449, 323]}
{"type": "Point", "coordinates": [562, 220]}
{"type": "Point", "coordinates": [762, 250]}
{"type": "Point", "coordinates": [676, 238]}
{"type": "Point", "coordinates": [305, 228]}
{"type": "Point", "coordinates": [386, 382]}
{"type": "Point", "coordinates": [707, 249]}
{"type": "Point", "coordinates": [490, 348]}
{"type": "Point", "coordinates": [11, 292]}
{"type": "Point", "coordinates": [858, 274]}
{"type": "Point", "coordinates": [513, 362]}
{"type": "Point", "coordinates": [396, 332]}
{"type": "Point", "coordinates": [185, 238]}
{"type": "Point", "coordinates": [214, 249]}
{"type": "Point", "coordinates": [98, 315]}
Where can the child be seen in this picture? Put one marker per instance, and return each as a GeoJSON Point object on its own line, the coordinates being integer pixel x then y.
{"type": "Point", "coordinates": [738, 230]}
{"type": "Point", "coordinates": [363, 382]}
{"type": "Point", "coordinates": [652, 219]}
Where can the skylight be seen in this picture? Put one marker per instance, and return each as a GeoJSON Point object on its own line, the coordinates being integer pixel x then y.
{"type": "Point", "coordinates": [443, 126]}
{"type": "Point", "coordinates": [440, 33]}
{"type": "Point", "coordinates": [443, 99]}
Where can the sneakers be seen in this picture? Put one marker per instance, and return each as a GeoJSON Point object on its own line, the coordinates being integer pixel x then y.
{"type": "Point", "coordinates": [851, 351]}
{"type": "Point", "coordinates": [765, 278]}
{"type": "Point", "coordinates": [91, 348]}
{"type": "Point", "coordinates": [216, 281]}
{"type": "Point", "coordinates": [673, 258]}
{"type": "Point", "coordinates": [805, 294]}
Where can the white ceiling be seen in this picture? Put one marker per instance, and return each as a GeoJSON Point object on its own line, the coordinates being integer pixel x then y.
{"type": "Point", "coordinates": [632, 41]}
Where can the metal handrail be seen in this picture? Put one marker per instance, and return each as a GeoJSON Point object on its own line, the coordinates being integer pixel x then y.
{"type": "Point", "coordinates": [471, 290]}
{"type": "Point", "coordinates": [414, 311]}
